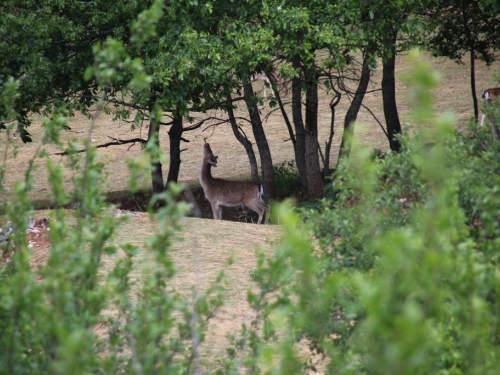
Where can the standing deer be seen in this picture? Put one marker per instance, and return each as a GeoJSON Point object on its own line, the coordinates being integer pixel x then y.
{"type": "Point", "coordinates": [223, 193]}
{"type": "Point", "coordinates": [489, 95]}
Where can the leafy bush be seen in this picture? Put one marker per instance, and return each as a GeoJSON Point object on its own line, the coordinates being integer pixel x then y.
{"type": "Point", "coordinates": [287, 179]}
{"type": "Point", "coordinates": [72, 315]}
{"type": "Point", "coordinates": [478, 178]}
{"type": "Point", "coordinates": [365, 188]}
{"type": "Point", "coordinates": [393, 287]}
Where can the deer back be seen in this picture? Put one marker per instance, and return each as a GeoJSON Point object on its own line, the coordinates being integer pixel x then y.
{"type": "Point", "coordinates": [232, 193]}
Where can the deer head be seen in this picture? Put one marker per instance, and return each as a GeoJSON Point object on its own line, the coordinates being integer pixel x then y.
{"type": "Point", "coordinates": [208, 156]}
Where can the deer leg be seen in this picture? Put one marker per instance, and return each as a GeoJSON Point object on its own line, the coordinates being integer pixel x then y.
{"type": "Point", "coordinates": [254, 206]}
{"type": "Point", "coordinates": [216, 210]}
{"type": "Point", "coordinates": [268, 212]}
{"type": "Point", "coordinates": [261, 214]}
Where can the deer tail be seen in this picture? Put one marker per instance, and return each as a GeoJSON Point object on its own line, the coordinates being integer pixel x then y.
{"type": "Point", "coordinates": [261, 194]}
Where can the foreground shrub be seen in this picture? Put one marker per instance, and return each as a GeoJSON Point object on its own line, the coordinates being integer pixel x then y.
{"type": "Point", "coordinates": [70, 314]}
{"type": "Point", "coordinates": [404, 279]}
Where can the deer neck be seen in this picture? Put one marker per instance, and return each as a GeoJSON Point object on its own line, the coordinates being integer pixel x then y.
{"type": "Point", "coordinates": [206, 173]}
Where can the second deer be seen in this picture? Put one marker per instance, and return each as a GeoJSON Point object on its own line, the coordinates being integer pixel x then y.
{"type": "Point", "coordinates": [489, 95]}
{"type": "Point", "coordinates": [224, 193]}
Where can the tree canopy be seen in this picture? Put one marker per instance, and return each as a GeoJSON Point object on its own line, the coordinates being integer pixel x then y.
{"type": "Point", "coordinates": [461, 27]}
{"type": "Point", "coordinates": [204, 54]}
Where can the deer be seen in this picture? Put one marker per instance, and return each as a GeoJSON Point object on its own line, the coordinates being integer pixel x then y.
{"type": "Point", "coordinates": [282, 87]}
{"type": "Point", "coordinates": [224, 193]}
{"type": "Point", "coordinates": [488, 95]}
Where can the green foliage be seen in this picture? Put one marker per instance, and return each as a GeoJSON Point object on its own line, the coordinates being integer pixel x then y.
{"type": "Point", "coordinates": [390, 287]}
{"type": "Point", "coordinates": [287, 180]}
{"type": "Point", "coordinates": [47, 45]}
{"type": "Point", "coordinates": [460, 27]}
{"type": "Point", "coordinates": [52, 315]}
{"type": "Point", "coordinates": [83, 310]}
{"type": "Point", "coordinates": [391, 189]}
{"type": "Point", "coordinates": [478, 181]}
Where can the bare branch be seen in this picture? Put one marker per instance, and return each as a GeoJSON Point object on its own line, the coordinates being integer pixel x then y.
{"type": "Point", "coordinates": [116, 142]}
{"type": "Point", "coordinates": [200, 123]}
{"type": "Point", "coordinates": [216, 124]}
{"type": "Point", "coordinates": [376, 119]}
{"type": "Point", "coordinates": [215, 105]}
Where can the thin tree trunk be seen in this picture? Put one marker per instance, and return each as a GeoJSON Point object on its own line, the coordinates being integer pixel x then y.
{"type": "Point", "coordinates": [244, 141]}
{"type": "Point", "coordinates": [472, 52]}
{"type": "Point", "coordinates": [156, 171]}
{"type": "Point", "coordinates": [314, 177]}
{"type": "Point", "coordinates": [300, 146]}
{"type": "Point", "coordinates": [274, 84]}
{"type": "Point", "coordinates": [352, 112]}
{"type": "Point", "coordinates": [328, 144]}
{"type": "Point", "coordinates": [473, 83]}
{"type": "Point", "coordinates": [266, 161]}
{"type": "Point", "coordinates": [389, 95]}
{"type": "Point", "coordinates": [175, 137]}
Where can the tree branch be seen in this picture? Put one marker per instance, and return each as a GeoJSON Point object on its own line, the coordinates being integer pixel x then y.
{"type": "Point", "coordinates": [116, 142]}
{"type": "Point", "coordinates": [376, 119]}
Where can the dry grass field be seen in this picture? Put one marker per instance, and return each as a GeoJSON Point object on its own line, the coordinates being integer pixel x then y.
{"type": "Point", "coordinates": [203, 250]}
{"type": "Point", "coordinates": [206, 245]}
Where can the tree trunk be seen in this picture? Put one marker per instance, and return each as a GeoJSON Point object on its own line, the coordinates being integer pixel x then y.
{"type": "Point", "coordinates": [175, 137]}
{"type": "Point", "coordinates": [244, 141]}
{"type": "Point", "coordinates": [156, 171]}
{"type": "Point", "coordinates": [352, 112]}
{"type": "Point", "coordinates": [300, 146]}
{"type": "Point", "coordinates": [472, 50]}
{"type": "Point", "coordinates": [266, 161]}
{"type": "Point", "coordinates": [314, 178]}
{"type": "Point", "coordinates": [328, 144]}
{"type": "Point", "coordinates": [473, 81]}
{"type": "Point", "coordinates": [389, 94]}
